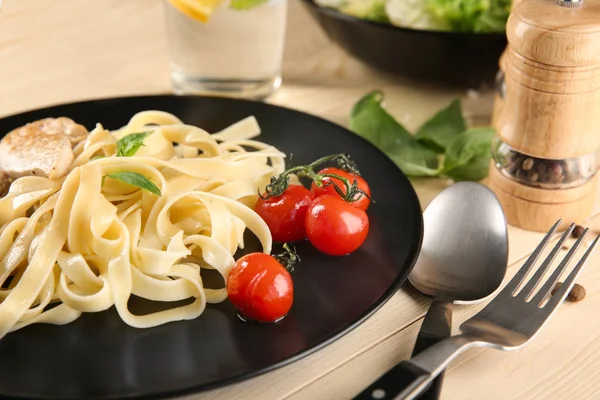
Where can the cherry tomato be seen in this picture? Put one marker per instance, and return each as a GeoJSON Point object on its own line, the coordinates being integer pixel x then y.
{"type": "Point", "coordinates": [362, 203]}
{"type": "Point", "coordinates": [260, 288]}
{"type": "Point", "coordinates": [285, 214]}
{"type": "Point", "coordinates": [334, 226]}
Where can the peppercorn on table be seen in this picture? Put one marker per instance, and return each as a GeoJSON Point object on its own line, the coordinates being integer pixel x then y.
{"type": "Point", "coordinates": [55, 52]}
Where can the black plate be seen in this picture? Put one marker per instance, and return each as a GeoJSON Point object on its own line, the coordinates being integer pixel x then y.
{"type": "Point", "coordinates": [453, 59]}
{"type": "Point", "coordinates": [99, 356]}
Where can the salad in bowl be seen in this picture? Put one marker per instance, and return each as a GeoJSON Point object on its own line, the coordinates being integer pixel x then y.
{"type": "Point", "coordinates": [477, 16]}
{"type": "Point", "coordinates": [452, 43]}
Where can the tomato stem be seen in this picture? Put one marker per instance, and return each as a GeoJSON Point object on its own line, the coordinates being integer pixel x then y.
{"type": "Point", "coordinates": [352, 189]}
{"type": "Point", "coordinates": [279, 184]}
{"type": "Point", "coordinates": [288, 258]}
{"type": "Point", "coordinates": [343, 161]}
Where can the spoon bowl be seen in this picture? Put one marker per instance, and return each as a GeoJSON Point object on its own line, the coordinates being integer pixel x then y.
{"type": "Point", "coordinates": [465, 245]}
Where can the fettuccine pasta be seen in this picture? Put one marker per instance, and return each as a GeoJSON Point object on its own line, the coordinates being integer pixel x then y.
{"type": "Point", "coordinates": [86, 242]}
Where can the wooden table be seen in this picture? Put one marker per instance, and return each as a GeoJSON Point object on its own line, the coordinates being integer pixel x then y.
{"type": "Point", "coordinates": [60, 51]}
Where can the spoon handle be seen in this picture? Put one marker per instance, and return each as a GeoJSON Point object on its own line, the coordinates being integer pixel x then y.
{"type": "Point", "coordinates": [436, 326]}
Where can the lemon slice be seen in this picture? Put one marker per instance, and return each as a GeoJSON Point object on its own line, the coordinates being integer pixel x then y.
{"type": "Point", "coordinates": [200, 10]}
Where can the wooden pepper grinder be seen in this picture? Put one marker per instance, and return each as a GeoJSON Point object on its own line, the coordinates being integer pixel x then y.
{"type": "Point", "coordinates": [547, 150]}
{"type": "Point", "coordinates": [500, 88]}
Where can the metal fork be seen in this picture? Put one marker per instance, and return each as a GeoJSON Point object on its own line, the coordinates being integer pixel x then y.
{"type": "Point", "coordinates": [508, 322]}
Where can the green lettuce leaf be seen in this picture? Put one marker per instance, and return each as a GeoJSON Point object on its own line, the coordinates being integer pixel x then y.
{"type": "Point", "coordinates": [479, 16]}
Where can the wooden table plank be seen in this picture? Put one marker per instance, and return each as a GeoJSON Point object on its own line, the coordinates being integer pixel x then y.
{"type": "Point", "coordinates": [56, 52]}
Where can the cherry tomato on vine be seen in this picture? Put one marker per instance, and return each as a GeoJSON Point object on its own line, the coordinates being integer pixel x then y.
{"type": "Point", "coordinates": [334, 226]}
{"type": "Point", "coordinates": [328, 188]}
{"type": "Point", "coordinates": [260, 288]}
{"type": "Point", "coordinates": [285, 214]}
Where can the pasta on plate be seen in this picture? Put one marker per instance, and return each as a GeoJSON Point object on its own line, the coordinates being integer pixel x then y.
{"type": "Point", "coordinates": [86, 242]}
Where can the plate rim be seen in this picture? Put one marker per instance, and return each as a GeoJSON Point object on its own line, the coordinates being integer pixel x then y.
{"type": "Point", "coordinates": [396, 285]}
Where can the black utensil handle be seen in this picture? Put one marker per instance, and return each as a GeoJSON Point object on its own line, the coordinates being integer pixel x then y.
{"type": "Point", "coordinates": [436, 327]}
{"type": "Point", "coordinates": [435, 389]}
{"type": "Point", "coordinates": [397, 383]}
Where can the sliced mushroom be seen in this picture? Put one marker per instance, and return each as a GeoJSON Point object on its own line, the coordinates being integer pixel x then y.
{"type": "Point", "coordinates": [41, 148]}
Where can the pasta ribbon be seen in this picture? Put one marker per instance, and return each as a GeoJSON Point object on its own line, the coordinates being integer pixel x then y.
{"type": "Point", "coordinates": [85, 243]}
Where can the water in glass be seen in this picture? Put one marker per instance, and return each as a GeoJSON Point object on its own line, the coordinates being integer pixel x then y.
{"type": "Point", "coordinates": [237, 53]}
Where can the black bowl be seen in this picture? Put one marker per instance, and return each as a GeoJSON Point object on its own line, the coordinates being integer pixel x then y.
{"type": "Point", "coordinates": [452, 59]}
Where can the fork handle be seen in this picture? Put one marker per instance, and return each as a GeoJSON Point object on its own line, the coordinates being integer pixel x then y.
{"type": "Point", "coordinates": [403, 378]}
{"type": "Point", "coordinates": [410, 378]}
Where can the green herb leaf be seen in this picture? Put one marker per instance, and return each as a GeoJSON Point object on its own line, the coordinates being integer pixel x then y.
{"type": "Point", "coordinates": [415, 159]}
{"type": "Point", "coordinates": [466, 153]}
{"type": "Point", "coordinates": [128, 145]}
{"type": "Point", "coordinates": [468, 157]}
{"type": "Point", "coordinates": [371, 121]}
{"type": "Point", "coordinates": [474, 170]}
{"type": "Point", "coordinates": [136, 179]}
{"type": "Point", "coordinates": [439, 131]}
{"type": "Point", "coordinates": [245, 4]}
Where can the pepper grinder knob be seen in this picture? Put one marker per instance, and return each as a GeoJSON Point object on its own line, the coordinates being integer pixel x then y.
{"type": "Point", "coordinates": [569, 3]}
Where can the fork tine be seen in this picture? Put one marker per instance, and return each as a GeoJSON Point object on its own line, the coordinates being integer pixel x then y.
{"type": "Point", "coordinates": [566, 287]}
{"type": "Point", "coordinates": [516, 281]}
{"type": "Point", "coordinates": [535, 280]}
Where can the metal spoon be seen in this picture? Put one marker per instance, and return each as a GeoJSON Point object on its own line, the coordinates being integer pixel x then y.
{"type": "Point", "coordinates": [463, 259]}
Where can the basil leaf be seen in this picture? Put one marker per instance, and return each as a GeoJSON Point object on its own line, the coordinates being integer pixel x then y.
{"type": "Point", "coordinates": [245, 4]}
{"type": "Point", "coordinates": [466, 153]}
{"type": "Point", "coordinates": [136, 179]}
{"type": "Point", "coordinates": [475, 170]}
{"type": "Point", "coordinates": [414, 159]}
{"type": "Point", "coordinates": [128, 145]}
{"type": "Point", "coordinates": [439, 131]}
{"type": "Point", "coordinates": [469, 155]}
{"type": "Point", "coordinates": [371, 121]}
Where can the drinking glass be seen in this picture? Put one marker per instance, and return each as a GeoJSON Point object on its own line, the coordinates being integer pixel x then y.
{"type": "Point", "coordinates": [236, 53]}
